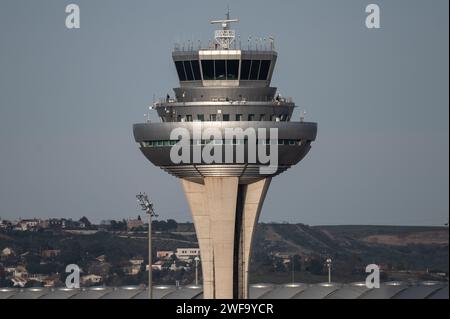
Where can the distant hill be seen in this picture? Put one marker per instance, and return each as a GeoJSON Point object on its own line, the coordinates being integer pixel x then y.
{"type": "Point", "coordinates": [395, 248]}
{"type": "Point", "coordinates": [403, 252]}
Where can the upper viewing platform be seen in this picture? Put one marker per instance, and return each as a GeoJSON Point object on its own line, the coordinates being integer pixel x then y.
{"type": "Point", "coordinates": [226, 62]}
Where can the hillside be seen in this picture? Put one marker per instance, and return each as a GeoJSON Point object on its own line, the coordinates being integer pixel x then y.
{"type": "Point", "coordinates": [404, 253]}
{"type": "Point", "coordinates": [395, 248]}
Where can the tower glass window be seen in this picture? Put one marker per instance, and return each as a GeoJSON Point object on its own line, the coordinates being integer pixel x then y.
{"type": "Point", "coordinates": [245, 69]}
{"type": "Point", "coordinates": [251, 117]}
{"type": "Point", "coordinates": [232, 69]}
{"type": "Point", "coordinates": [196, 70]}
{"type": "Point", "coordinates": [238, 117]}
{"type": "Point", "coordinates": [180, 70]}
{"type": "Point", "coordinates": [220, 71]}
{"type": "Point", "coordinates": [264, 70]}
{"type": "Point", "coordinates": [255, 69]}
{"type": "Point", "coordinates": [200, 117]}
{"type": "Point", "coordinates": [188, 70]}
{"type": "Point", "coordinates": [226, 117]}
{"type": "Point", "coordinates": [208, 69]}
{"type": "Point", "coordinates": [213, 117]}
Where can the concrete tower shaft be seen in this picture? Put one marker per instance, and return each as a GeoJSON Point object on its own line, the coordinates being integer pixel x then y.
{"type": "Point", "coordinates": [225, 214]}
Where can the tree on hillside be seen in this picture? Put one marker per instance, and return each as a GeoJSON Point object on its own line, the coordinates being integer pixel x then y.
{"type": "Point", "coordinates": [279, 266]}
{"type": "Point", "coordinates": [172, 225]}
{"type": "Point", "coordinates": [118, 225]}
{"type": "Point", "coordinates": [86, 222]}
{"type": "Point", "coordinates": [315, 267]}
{"type": "Point", "coordinates": [297, 260]}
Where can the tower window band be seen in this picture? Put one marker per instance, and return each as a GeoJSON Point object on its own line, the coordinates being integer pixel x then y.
{"type": "Point", "coordinates": [223, 70]}
{"type": "Point", "coordinates": [188, 70]}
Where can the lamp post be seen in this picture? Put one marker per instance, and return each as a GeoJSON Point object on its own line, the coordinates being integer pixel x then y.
{"type": "Point", "coordinates": [293, 269]}
{"type": "Point", "coordinates": [147, 206]}
{"type": "Point", "coordinates": [196, 270]}
{"type": "Point", "coordinates": [329, 269]}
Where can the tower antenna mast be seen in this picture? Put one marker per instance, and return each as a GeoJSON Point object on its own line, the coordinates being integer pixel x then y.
{"type": "Point", "coordinates": [225, 37]}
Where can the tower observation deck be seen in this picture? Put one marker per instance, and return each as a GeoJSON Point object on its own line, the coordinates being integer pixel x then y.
{"type": "Point", "coordinates": [225, 88]}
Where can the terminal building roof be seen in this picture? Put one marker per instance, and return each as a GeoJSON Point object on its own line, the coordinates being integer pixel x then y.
{"type": "Point", "coordinates": [388, 290]}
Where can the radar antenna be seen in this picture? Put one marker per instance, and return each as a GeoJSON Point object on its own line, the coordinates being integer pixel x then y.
{"type": "Point", "coordinates": [225, 37]}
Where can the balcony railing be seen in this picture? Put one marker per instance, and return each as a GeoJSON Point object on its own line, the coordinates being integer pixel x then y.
{"type": "Point", "coordinates": [251, 44]}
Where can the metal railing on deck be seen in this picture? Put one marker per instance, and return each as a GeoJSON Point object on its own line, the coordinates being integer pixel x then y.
{"type": "Point", "coordinates": [170, 100]}
{"type": "Point", "coordinates": [252, 44]}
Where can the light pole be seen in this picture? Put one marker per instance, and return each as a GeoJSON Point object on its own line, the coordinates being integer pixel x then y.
{"type": "Point", "coordinates": [147, 206]}
{"type": "Point", "coordinates": [196, 270]}
{"type": "Point", "coordinates": [293, 269]}
{"type": "Point", "coordinates": [329, 269]}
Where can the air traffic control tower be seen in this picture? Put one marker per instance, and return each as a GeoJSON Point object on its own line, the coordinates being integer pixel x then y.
{"type": "Point", "coordinates": [225, 86]}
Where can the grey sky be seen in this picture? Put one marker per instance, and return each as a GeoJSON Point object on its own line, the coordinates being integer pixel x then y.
{"type": "Point", "coordinates": [68, 100]}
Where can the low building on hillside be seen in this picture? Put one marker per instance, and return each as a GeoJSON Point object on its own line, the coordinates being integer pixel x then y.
{"type": "Point", "coordinates": [90, 280]}
{"type": "Point", "coordinates": [159, 265]}
{"type": "Point", "coordinates": [7, 252]}
{"type": "Point", "coordinates": [187, 253]}
{"type": "Point", "coordinates": [135, 266]}
{"type": "Point", "coordinates": [133, 224]}
{"type": "Point", "coordinates": [164, 254]}
{"type": "Point", "coordinates": [50, 253]}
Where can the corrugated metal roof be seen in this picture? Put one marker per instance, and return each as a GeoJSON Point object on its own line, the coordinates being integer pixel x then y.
{"type": "Point", "coordinates": [388, 290]}
{"type": "Point", "coordinates": [61, 293]}
{"type": "Point", "coordinates": [127, 292]}
{"type": "Point", "coordinates": [188, 292]}
{"type": "Point", "coordinates": [349, 291]}
{"type": "Point", "coordinates": [318, 291]}
{"type": "Point", "coordinates": [6, 293]}
{"type": "Point", "coordinates": [287, 291]}
{"type": "Point", "coordinates": [257, 291]}
{"type": "Point", "coordinates": [421, 291]}
{"type": "Point", "coordinates": [159, 292]}
{"type": "Point", "coordinates": [92, 293]}
{"type": "Point", "coordinates": [440, 294]}
{"type": "Point", "coordinates": [31, 293]}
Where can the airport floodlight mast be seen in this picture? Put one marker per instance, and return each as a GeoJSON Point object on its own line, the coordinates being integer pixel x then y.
{"type": "Point", "coordinates": [196, 270]}
{"type": "Point", "coordinates": [221, 90]}
{"type": "Point", "coordinates": [293, 269]}
{"type": "Point", "coordinates": [329, 264]}
{"type": "Point", "coordinates": [147, 206]}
